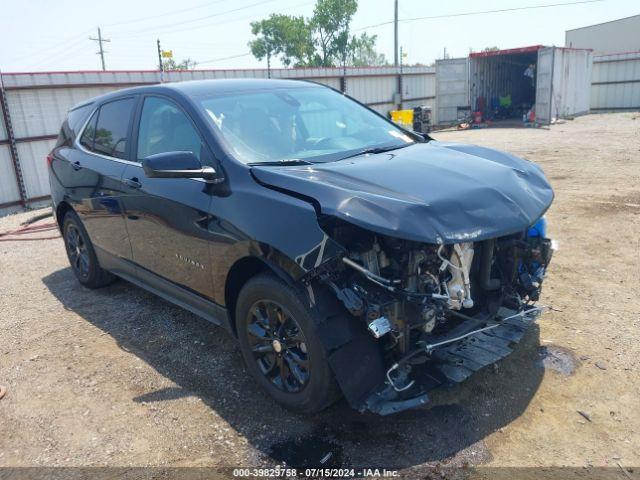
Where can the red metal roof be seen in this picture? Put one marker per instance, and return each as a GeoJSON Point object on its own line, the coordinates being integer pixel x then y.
{"type": "Point", "coordinates": [510, 51]}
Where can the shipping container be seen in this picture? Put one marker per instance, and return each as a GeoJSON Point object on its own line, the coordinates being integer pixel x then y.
{"type": "Point", "coordinates": [534, 83]}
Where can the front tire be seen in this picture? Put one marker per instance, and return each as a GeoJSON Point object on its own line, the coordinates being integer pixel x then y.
{"type": "Point", "coordinates": [280, 346]}
{"type": "Point", "coordinates": [82, 255]}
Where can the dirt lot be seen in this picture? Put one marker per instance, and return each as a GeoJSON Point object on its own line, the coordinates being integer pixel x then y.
{"type": "Point", "coordinates": [119, 377]}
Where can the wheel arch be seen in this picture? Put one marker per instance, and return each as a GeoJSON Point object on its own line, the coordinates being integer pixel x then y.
{"type": "Point", "coordinates": [61, 211]}
{"type": "Point", "coordinates": [243, 270]}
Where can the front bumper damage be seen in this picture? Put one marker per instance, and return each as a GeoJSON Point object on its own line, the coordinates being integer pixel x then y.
{"type": "Point", "coordinates": [453, 358]}
{"type": "Point", "coordinates": [422, 234]}
{"type": "Point", "coordinates": [444, 346]}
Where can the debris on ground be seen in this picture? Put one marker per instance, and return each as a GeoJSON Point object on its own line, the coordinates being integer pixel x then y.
{"type": "Point", "coordinates": [625, 471]}
{"type": "Point", "coordinates": [585, 415]}
{"type": "Point", "coordinates": [30, 232]}
{"type": "Point", "coordinates": [37, 218]}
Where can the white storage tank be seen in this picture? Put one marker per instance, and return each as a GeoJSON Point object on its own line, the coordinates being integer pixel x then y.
{"type": "Point", "coordinates": [540, 82]}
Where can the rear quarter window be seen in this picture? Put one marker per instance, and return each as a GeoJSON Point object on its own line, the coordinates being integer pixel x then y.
{"type": "Point", "coordinates": [72, 125]}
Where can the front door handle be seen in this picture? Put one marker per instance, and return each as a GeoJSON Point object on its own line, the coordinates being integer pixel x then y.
{"type": "Point", "coordinates": [133, 183]}
{"type": "Point", "coordinates": [76, 166]}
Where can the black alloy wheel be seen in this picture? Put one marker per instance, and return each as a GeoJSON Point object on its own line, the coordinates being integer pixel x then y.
{"type": "Point", "coordinates": [77, 251]}
{"type": "Point", "coordinates": [81, 253]}
{"type": "Point", "coordinates": [278, 346]}
{"type": "Point", "coordinates": [278, 336]}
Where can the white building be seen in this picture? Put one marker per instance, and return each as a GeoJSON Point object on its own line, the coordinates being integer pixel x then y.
{"type": "Point", "coordinates": [616, 36]}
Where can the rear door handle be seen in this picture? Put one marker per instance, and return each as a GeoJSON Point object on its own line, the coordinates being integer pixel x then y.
{"type": "Point", "coordinates": [76, 166]}
{"type": "Point", "coordinates": [133, 183]}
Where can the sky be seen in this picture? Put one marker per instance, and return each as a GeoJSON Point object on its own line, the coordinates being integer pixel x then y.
{"type": "Point", "coordinates": [53, 35]}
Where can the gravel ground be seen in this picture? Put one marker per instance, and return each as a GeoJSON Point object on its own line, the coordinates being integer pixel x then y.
{"type": "Point", "coordinates": [118, 377]}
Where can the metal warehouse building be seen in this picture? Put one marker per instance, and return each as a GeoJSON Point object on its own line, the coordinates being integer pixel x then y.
{"type": "Point", "coordinates": [616, 66]}
{"type": "Point", "coordinates": [617, 36]}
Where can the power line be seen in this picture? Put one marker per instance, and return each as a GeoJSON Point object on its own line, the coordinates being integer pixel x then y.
{"type": "Point", "coordinates": [225, 58]}
{"type": "Point", "coordinates": [174, 24]}
{"type": "Point", "coordinates": [43, 52]}
{"type": "Point", "coordinates": [209, 25]}
{"type": "Point", "coordinates": [480, 12]}
{"type": "Point", "coordinates": [142, 19]}
{"type": "Point", "coordinates": [68, 52]}
{"type": "Point", "coordinates": [75, 46]}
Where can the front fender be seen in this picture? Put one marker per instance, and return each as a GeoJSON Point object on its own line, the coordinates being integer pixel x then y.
{"type": "Point", "coordinates": [280, 229]}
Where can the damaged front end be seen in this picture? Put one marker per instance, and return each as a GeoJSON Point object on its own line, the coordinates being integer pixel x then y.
{"type": "Point", "coordinates": [433, 313]}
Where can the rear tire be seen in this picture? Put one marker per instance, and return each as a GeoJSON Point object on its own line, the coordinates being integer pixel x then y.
{"type": "Point", "coordinates": [280, 346]}
{"type": "Point", "coordinates": [82, 255]}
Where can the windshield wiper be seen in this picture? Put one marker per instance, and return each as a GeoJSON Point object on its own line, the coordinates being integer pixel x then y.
{"type": "Point", "coordinates": [284, 161]}
{"type": "Point", "coordinates": [374, 150]}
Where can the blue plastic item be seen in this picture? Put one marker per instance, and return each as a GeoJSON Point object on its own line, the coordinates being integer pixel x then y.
{"type": "Point", "coordinates": [539, 229]}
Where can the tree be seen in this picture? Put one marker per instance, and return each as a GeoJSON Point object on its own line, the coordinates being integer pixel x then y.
{"type": "Point", "coordinates": [170, 64]}
{"type": "Point", "coordinates": [320, 41]}
{"type": "Point", "coordinates": [284, 35]}
{"type": "Point", "coordinates": [362, 52]}
{"type": "Point", "coordinates": [330, 25]}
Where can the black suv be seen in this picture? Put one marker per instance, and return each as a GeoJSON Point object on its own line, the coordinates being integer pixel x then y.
{"type": "Point", "coordinates": [347, 255]}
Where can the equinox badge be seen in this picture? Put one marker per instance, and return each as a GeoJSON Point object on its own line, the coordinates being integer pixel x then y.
{"type": "Point", "coordinates": [190, 261]}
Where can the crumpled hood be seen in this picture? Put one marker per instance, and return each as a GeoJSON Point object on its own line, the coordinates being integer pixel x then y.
{"type": "Point", "coordinates": [430, 192]}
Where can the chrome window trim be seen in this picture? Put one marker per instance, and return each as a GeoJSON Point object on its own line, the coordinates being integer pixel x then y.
{"type": "Point", "coordinates": [80, 147]}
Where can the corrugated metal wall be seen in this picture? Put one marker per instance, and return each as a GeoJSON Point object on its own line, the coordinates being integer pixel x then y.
{"type": "Point", "coordinates": [615, 84]}
{"type": "Point", "coordinates": [38, 102]}
{"type": "Point", "coordinates": [9, 192]}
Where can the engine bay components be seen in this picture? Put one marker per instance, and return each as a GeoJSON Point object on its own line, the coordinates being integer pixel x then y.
{"type": "Point", "coordinates": [417, 300]}
{"type": "Point", "coordinates": [459, 287]}
{"type": "Point", "coordinates": [380, 326]}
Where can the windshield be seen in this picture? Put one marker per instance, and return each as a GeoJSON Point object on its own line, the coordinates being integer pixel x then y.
{"type": "Point", "coordinates": [312, 124]}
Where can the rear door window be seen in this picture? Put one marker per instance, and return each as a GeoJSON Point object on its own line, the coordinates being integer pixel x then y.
{"type": "Point", "coordinates": [107, 131]}
{"type": "Point", "coordinates": [113, 127]}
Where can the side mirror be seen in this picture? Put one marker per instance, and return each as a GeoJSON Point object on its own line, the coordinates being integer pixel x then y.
{"type": "Point", "coordinates": [178, 165]}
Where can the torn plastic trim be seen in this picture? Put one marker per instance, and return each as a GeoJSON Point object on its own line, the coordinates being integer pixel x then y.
{"type": "Point", "coordinates": [535, 310]}
{"type": "Point", "coordinates": [453, 360]}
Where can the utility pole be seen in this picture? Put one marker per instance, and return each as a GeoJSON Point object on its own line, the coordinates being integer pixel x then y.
{"type": "Point", "coordinates": [395, 34]}
{"type": "Point", "coordinates": [343, 79]}
{"type": "Point", "coordinates": [160, 65]}
{"type": "Point", "coordinates": [400, 81]}
{"type": "Point", "coordinates": [269, 64]}
{"type": "Point", "coordinates": [100, 40]}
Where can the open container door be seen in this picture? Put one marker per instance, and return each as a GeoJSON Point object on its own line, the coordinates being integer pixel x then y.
{"type": "Point", "coordinates": [571, 82]}
{"type": "Point", "coordinates": [452, 88]}
{"type": "Point", "coordinates": [544, 82]}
